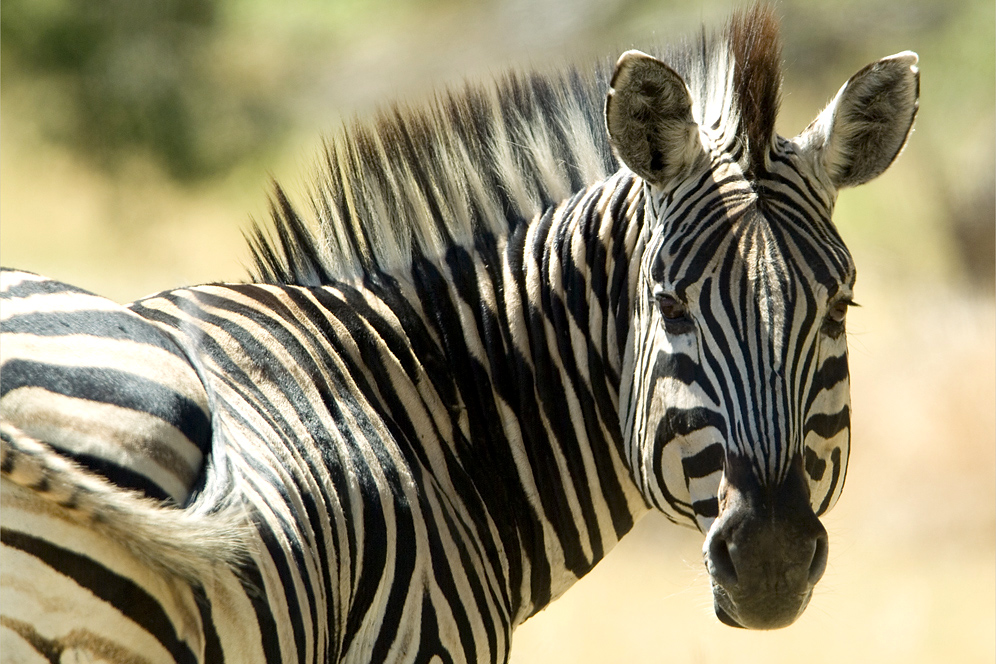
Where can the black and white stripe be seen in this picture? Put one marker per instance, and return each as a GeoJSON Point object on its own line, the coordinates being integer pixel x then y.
{"type": "Point", "coordinates": [102, 386]}
{"type": "Point", "coordinates": [504, 338]}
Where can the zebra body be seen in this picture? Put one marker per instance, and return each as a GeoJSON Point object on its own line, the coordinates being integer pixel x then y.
{"type": "Point", "coordinates": [443, 405]}
{"type": "Point", "coordinates": [420, 467]}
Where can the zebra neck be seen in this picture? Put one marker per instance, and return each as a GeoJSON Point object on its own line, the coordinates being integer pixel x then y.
{"type": "Point", "coordinates": [533, 328]}
{"type": "Point", "coordinates": [466, 412]}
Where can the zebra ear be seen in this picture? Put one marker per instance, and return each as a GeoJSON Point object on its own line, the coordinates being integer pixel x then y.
{"type": "Point", "coordinates": [866, 125]}
{"type": "Point", "coordinates": [648, 114]}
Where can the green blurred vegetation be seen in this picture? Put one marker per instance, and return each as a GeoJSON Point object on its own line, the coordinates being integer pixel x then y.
{"type": "Point", "coordinates": [118, 76]}
{"type": "Point", "coordinates": [203, 88]}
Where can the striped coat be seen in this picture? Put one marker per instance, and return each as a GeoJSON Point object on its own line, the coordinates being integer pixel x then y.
{"type": "Point", "coordinates": [512, 327]}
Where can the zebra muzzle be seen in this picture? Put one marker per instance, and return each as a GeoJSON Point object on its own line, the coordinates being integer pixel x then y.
{"type": "Point", "coordinates": [767, 549]}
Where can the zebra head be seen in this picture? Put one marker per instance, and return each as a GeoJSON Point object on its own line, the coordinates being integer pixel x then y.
{"type": "Point", "coordinates": [737, 419]}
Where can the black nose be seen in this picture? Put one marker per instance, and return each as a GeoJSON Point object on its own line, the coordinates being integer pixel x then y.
{"type": "Point", "coordinates": [821, 553]}
{"type": "Point", "coordinates": [722, 569]}
{"type": "Point", "coordinates": [779, 547]}
{"type": "Point", "coordinates": [765, 551]}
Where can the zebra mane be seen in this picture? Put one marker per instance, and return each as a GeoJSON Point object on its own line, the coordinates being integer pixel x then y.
{"type": "Point", "coordinates": [478, 161]}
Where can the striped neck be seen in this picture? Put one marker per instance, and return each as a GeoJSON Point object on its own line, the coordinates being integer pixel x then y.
{"type": "Point", "coordinates": [536, 339]}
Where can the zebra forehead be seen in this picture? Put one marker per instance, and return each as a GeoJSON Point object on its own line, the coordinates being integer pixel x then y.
{"type": "Point", "coordinates": [782, 252]}
{"type": "Point", "coordinates": [775, 250]}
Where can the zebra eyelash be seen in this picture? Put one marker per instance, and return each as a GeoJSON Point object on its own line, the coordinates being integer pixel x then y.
{"type": "Point", "coordinates": [834, 324]}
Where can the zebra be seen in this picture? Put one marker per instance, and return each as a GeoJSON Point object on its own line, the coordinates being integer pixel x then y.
{"type": "Point", "coordinates": [518, 319]}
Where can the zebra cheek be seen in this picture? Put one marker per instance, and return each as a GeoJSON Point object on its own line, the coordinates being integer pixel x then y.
{"type": "Point", "coordinates": [682, 444]}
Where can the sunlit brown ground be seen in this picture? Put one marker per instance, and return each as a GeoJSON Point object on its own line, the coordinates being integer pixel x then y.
{"type": "Point", "coordinates": [912, 572]}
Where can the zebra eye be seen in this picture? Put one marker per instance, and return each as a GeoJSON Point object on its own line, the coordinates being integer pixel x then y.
{"type": "Point", "coordinates": [670, 307]}
{"type": "Point", "coordinates": [674, 313]}
{"type": "Point", "coordinates": [833, 326]}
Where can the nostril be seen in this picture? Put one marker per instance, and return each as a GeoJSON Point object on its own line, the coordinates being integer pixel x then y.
{"type": "Point", "coordinates": [723, 571]}
{"type": "Point", "coordinates": [820, 555]}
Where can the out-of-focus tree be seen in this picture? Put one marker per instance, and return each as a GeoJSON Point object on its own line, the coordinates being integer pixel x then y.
{"type": "Point", "coordinates": [198, 86]}
{"type": "Point", "coordinates": [120, 76]}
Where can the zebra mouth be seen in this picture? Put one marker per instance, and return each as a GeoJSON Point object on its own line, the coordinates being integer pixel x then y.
{"type": "Point", "coordinates": [725, 617]}
{"type": "Point", "coordinates": [760, 611]}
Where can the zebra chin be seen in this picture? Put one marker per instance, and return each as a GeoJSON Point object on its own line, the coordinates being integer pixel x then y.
{"type": "Point", "coordinates": [769, 618]}
{"type": "Point", "coordinates": [766, 551]}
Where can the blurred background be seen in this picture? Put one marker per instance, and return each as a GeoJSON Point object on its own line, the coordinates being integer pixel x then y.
{"type": "Point", "coordinates": [139, 138]}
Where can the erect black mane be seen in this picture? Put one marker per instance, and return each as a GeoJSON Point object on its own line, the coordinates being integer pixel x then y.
{"type": "Point", "coordinates": [416, 180]}
{"type": "Point", "coordinates": [756, 47]}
